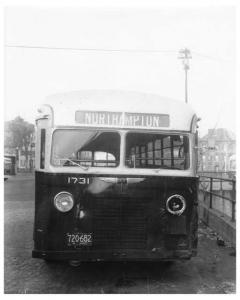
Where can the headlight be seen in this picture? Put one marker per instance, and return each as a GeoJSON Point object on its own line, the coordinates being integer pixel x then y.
{"type": "Point", "coordinates": [176, 204]}
{"type": "Point", "coordinates": [63, 201]}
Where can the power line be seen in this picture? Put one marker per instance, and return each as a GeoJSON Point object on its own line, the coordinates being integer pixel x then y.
{"type": "Point", "coordinates": [91, 49]}
{"type": "Point", "coordinates": [211, 57]}
{"type": "Point", "coordinates": [116, 51]}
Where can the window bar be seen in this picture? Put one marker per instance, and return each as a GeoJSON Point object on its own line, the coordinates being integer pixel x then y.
{"type": "Point", "coordinates": [172, 152]}
{"type": "Point", "coordinates": [153, 151]}
{"type": "Point", "coordinates": [135, 155]}
{"type": "Point", "coordinates": [162, 160]}
{"type": "Point", "coordinates": [146, 155]}
{"type": "Point", "coordinates": [140, 155]}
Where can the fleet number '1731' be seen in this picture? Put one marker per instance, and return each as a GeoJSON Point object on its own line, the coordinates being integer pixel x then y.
{"type": "Point", "coordinates": [78, 180]}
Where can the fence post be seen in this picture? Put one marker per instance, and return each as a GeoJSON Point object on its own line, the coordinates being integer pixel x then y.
{"type": "Point", "coordinates": [233, 199]}
{"type": "Point", "coordinates": [210, 202]}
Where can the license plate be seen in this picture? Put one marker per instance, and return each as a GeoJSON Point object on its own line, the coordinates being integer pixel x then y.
{"type": "Point", "coordinates": [79, 239]}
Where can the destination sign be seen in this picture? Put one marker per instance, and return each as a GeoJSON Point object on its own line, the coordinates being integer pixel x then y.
{"type": "Point", "coordinates": [118, 119]}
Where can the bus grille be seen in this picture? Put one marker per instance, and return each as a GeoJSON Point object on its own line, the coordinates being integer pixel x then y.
{"type": "Point", "coordinates": [119, 223]}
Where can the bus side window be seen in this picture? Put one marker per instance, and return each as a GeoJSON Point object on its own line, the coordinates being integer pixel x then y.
{"type": "Point", "coordinates": [42, 148]}
{"type": "Point", "coordinates": [196, 138]}
{"type": "Point", "coordinates": [196, 151]}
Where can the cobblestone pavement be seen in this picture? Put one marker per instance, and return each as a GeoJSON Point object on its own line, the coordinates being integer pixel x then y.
{"type": "Point", "coordinates": [212, 271]}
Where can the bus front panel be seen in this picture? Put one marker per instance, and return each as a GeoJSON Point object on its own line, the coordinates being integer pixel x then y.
{"type": "Point", "coordinates": [115, 217]}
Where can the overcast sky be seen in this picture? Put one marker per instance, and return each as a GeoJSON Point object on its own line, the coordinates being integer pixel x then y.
{"type": "Point", "coordinates": [32, 74]}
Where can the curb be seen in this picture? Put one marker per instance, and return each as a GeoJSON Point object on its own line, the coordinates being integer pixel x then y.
{"type": "Point", "coordinates": [220, 223]}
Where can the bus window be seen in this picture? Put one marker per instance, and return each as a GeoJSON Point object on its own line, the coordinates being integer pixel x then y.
{"type": "Point", "coordinates": [92, 158]}
{"type": "Point", "coordinates": [88, 148]}
{"type": "Point", "coordinates": [42, 148]}
{"type": "Point", "coordinates": [107, 158]}
{"type": "Point", "coordinates": [147, 150]}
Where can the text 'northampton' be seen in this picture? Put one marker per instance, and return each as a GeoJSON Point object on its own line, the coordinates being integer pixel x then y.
{"type": "Point", "coordinates": [122, 119]}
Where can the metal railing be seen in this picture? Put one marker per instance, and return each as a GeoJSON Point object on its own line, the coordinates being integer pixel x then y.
{"type": "Point", "coordinates": [219, 174]}
{"type": "Point", "coordinates": [211, 185]}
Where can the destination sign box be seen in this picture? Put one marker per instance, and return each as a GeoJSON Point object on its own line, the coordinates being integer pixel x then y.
{"type": "Point", "coordinates": [119, 119]}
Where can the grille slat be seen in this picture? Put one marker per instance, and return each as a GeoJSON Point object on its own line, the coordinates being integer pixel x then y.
{"type": "Point", "coordinates": [119, 223]}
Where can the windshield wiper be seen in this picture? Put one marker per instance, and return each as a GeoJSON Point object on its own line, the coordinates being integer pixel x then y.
{"type": "Point", "coordinates": [76, 164]}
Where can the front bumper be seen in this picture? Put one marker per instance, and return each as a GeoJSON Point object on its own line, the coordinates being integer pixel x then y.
{"type": "Point", "coordinates": [127, 255]}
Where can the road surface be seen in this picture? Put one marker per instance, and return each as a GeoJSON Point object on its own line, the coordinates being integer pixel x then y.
{"type": "Point", "coordinates": [212, 271]}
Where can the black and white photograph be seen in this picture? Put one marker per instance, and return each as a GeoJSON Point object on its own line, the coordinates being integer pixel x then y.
{"type": "Point", "coordinates": [119, 149]}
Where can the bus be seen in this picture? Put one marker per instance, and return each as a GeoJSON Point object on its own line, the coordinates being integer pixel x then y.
{"type": "Point", "coordinates": [115, 178]}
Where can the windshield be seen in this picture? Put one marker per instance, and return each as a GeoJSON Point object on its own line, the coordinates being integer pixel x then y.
{"type": "Point", "coordinates": [98, 148]}
{"type": "Point", "coordinates": [87, 148]}
{"type": "Point", "coordinates": [158, 151]}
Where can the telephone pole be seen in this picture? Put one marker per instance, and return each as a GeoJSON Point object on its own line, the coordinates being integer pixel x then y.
{"type": "Point", "coordinates": [185, 55]}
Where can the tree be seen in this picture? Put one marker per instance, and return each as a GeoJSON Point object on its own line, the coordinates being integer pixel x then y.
{"type": "Point", "coordinates": [18, 134]}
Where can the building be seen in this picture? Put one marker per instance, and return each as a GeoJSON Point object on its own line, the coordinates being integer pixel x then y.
{"type": "Point", "coordinates": [217, 151]}
{"type": "Point", "coordinates": [23, 162]}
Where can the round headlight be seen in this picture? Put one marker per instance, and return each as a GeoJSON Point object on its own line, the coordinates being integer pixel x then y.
{"type": "Point", "coordinates": [63, 201]}
{"type": "Point", "coordinates": [176, 204]}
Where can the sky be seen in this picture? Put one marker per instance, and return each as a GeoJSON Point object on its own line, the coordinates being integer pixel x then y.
{"type": "Point", "coordinates": [31, 74]}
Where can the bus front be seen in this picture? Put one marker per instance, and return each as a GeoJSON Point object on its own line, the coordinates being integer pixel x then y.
{"type": "Point", "coordinates": [115, 187]}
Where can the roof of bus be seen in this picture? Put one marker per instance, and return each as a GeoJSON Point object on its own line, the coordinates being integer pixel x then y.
{"type": "Point", "coordinates": [65, 105]}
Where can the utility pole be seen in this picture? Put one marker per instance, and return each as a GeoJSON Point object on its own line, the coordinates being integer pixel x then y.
{"type": "Point", "coordinates": [185, 55]}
